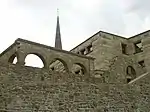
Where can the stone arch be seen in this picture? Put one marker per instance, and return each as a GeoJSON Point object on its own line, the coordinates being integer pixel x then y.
{"type": "Point", "coordinates": [131, 73]}
{"type": "Point", "coordinates": [78, 68]}
{"type": "Point", "coordinates": [13, 58]}
{"type": "Point", "coordinates": [58, 64]}
{"type": "Point", "coordinates": [40, 60]}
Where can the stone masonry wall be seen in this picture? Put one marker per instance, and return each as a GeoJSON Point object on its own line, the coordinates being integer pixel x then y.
{"type": "Point", "coordinates": [107, 51]}
{"type": "Point", "coordinates": [105, 48]}
{"type": "Point", "coordinates": [27, 89]}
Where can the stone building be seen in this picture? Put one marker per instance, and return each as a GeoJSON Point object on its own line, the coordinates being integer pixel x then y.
{"type": "Point", "coordinates": [105, 73]}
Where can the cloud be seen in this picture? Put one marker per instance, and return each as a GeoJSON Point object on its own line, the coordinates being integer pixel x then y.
{"type": "Point", "coordinates": [137, 17]}
{"type": "Point", "coordinates": [140, 7]}
{"type": "Point", "coordinates": [35, 20]}
{"type": "Point", "coordinates": [134, 5]}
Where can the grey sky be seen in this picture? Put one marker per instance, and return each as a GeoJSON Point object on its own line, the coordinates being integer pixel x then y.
{"type": "Point", "coordinates": [35, 20]}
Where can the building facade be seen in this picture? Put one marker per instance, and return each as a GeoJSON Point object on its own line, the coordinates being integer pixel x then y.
{"type": "Point", "coordinates": [105, 73]}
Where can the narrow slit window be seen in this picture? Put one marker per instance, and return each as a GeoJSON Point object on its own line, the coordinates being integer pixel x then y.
{"type": "Point", "coordinates": [124, 48]}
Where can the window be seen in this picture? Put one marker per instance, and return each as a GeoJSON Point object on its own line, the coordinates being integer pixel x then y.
{"type": "Point", "coordinates": [124, 47]}
{"type": "Point", "coordinates": [52, 68]}
{"type": "Point", "coordinates": [131, 73]}
{"type": "Point", "coordinates": [86, 50]}
{"type": "Point", "coordinates": [141, 63]}
{"type": "Point", "coordinates": [138, 47]}
{"type": "Point", "coordinates": [83, 52]}
{"type": "Point", "coordinates": [81, 71]}
{"type": "Point", "coordinates": [128, 80]}
{"type": "Point", "coordinates": [77, 72]}
{"type": "Point", "coordinates": [89, 49]}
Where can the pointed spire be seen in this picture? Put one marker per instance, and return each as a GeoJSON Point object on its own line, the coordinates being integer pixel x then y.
{"type": "Point", "coordinates": [58, 43]}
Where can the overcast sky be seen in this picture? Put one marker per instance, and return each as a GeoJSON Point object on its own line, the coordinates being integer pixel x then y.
{"type": "Point", "coordinates": [35, 20]}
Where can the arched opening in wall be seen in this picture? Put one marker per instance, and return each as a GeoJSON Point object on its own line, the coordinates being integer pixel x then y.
{"type": "Point", "coordinates": [58, 65]}
{"type": "Point", "coordinates": [13, 59]}
{"type": "Point", "coordinates": [34, 60]}
{"type": "Point", "coordinates": [78, 69]}
{"type": "Point", "coordinates": [131, 74]}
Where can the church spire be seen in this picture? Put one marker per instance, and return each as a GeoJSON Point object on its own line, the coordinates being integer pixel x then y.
{"type": "Point", "coordinates": [58, 43]}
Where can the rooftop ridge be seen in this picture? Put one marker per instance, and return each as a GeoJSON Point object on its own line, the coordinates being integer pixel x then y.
{"type": "Point", "coordinates": [139, 34]}
{"type": "Point", "coordinates": [96, 34]}
{"type": "Point", "coordinates": [7, 49]}
{"type": "Point", "coordinates": [110, 34]}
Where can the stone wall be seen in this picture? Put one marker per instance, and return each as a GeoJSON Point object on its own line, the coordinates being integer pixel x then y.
{"type": "Point", "coordinates": [27, 89]}
{"type": "Point", "coordinates": [104, 88]}
{"type": "Point", "coordinates": [21, 48]}
{"type": "Point", "coordinates": [107, 51]}
{"type": "Point", "coordinates": [105, 47]}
